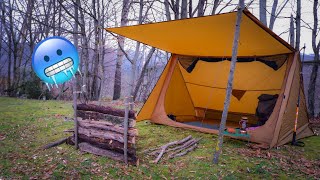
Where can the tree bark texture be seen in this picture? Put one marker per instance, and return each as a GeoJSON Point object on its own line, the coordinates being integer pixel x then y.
{"type": "Point", "coordinates": [314, 72]}
{"type": "Point", "coordinates": [291, 31]}
{"type": "Point", "coordinates": [105, 118]}
{"type": "Point", "coordinates": [263, 11]}
{"type": "Point", "coordinates": [86, 147]}
{"type": "Point", "coordinates": [218, 149]}
{"type": "Point", "coordinates": [105, 134]}
{"type": "Point", "coordinates": [120, 55]}
{"type": "Point", "coordinates": [184, 9]}
{"type": "Point", "coordinates": [107, 144]}
{"type": "Point", "coordinates": [105, 110]}
{"type": "Point", "coordinates": [201, 7]}
{"type": "Point", "coordinates": [142, 74]}
{"type": "Point", "coordinates": [298, 25]}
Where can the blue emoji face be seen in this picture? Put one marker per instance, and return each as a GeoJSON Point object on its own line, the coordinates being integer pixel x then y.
{"type": "Point", "coordinates": [55, 60]}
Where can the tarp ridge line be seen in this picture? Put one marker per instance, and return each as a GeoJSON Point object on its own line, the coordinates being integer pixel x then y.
{"type": "Point", "coordinates": [233, 88]}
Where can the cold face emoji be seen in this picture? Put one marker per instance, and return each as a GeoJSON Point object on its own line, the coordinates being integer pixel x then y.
{"type": "Point", "coordinates": [55, 60]}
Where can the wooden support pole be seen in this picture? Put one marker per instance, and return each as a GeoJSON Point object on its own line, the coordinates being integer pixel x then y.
{"type": "Point", "coordinates": [218, 148]}
{"type": "Point", "coordinates": [125, 134]}
{"type": "Point", "coordinates": [131, 103]}
{"type": "Point", "coordinates": [74, 84]}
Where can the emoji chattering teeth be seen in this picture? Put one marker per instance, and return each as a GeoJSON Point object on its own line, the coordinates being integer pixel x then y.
{"type": "Point", "coordinates": [55, 60]}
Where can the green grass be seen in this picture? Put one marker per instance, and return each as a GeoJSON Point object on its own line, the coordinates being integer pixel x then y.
{"type": "Point", "coordinates": [30, 124]}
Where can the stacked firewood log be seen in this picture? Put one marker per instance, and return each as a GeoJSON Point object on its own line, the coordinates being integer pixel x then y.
{"type": "Point", "coordinates": [101, 132]}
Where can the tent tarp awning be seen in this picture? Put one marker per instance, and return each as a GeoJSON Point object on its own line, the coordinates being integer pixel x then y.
{"type": "Point", "coordinates": [208, 36]}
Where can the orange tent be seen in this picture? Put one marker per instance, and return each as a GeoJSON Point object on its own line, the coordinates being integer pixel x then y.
{"type": "Point", "coordinates": [192, 85]}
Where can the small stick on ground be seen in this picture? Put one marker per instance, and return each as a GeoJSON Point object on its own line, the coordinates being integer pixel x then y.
{"type": "Point", "coordinates": [179, 148]}
{"type": "Point", "coordinates": [156, 151]}
{"type": "Point", "coordinates": [184, 146]}
{"type": "Point", "coordinates": [69, 131]}
{"type": "Point", "coordinates": [151, 150]}
{"type": "Point", "coordinates": [56, 143]}
{"type": "Point", "coordinates": [185, 152]}
{"type": "Point", "coordinates": [163, 148]}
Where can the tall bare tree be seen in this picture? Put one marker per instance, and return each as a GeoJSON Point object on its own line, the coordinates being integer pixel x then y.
{"type": "Point", "coordinates": [291, 31]}
{"type": "Point", "coordinates": [298, 25]}
{"type": "Point", "coordinates": [201, 7]}
{"type": "Point", "coordinates": [117, 77]}
{"type": "Point", "coordinates": [96, 86]}
{"type": "Point", "coordinates": [167, 9]}
{"type": "Point", "coordinates": [316, 49]}
{"type": "Point", "coordinates": [184, 9]}
{"type": "Point", "coordinates": [263, 11]}
{"type": "Point", "coordinates": [9, 43]}
{"type": "Point", "coordinates": [275, 11]}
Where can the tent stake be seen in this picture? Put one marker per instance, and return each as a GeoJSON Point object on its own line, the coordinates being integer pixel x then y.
{"type": "Point", "coordinates": [230, 83]}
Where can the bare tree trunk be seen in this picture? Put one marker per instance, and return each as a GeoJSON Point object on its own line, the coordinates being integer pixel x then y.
{"type": "Point", "coordinates": [273, 14]}
{"type": "Point", "coordinates": [136, 55]}
{"type": "Point", "coordinates": [85, 49]}
{"type": "Point", "coordinates": [117, 76]}
{"type": "Point", "coordinates": [59, 20]}
{"type": "Point", "coordinates": [1, 32]}
{"type": "Point", "coordinates": [314, 72]}
{"type": "Point", "coordinates": [167, 9]}
{"type": "Point", "coordinates": [263, 11]}
{"type": "Point", "coordinates": [215, 6]}
{"type": "Point", "coordinates": [201, 7]}
{"type": "Point", "coordinates": [298, 25]}
{"type": "Point", "coordinates": [22, 39]}
{"type": "Point", "coordinates": [3, 20]}
{"type": "Point", "coordinates": [134, 67]}
{"type": "Point", "coordinates": [184, 9]}
{"type": "Point", "coordinates": [143, 71]}
{"type": "Point", "coordinates": [95, 85]}
{"type": "Point", "coordinates": [311, 89]}
{"type": "Point", "coordinates": [190, 9]}
{"type": "Point", "coordinates": [54, 17]}
{"type": "Point", "coordinates": [218, 148]}
{"type": "Point", "coordinates": [291, 32]}
{"type": "Point", "coordinates": [75, 82]}
{"type": "Point", "coordinates": [59, 34]}
{"type": "Point", "coordinates": [102, 53]}
{"type": "Point", "coordinates": [13, 49]}
{"type": "Point", "coordinates": [176, 8]}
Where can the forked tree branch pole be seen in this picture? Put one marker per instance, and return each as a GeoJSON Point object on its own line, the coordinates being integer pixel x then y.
{"type": "Point", "coordinates": [74, 82]}
{"type": "Point", "coordinates": [230, 83]}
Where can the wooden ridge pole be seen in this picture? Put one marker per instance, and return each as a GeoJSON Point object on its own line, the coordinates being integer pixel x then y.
{"type": "Point", "coordinates": [218, 148]}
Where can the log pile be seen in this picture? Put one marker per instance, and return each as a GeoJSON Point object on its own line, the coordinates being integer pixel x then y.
{"type": "Point", "coordinates": [101, 132]}
{"type": "Point", "coordinates": [105, 110]}
{"type": "Point", "coordinates": [174, 149]}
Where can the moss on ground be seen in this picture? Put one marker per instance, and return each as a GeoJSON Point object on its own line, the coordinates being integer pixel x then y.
{"type": "Point", "coordinates": [30, 124]}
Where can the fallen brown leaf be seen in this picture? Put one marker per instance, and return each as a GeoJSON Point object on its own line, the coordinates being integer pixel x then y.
{"type": "Point", "coordinates": [2, 137]}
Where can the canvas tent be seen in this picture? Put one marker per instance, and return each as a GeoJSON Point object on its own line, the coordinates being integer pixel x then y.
{"type": "Point", "coordinates": [193, 83]}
